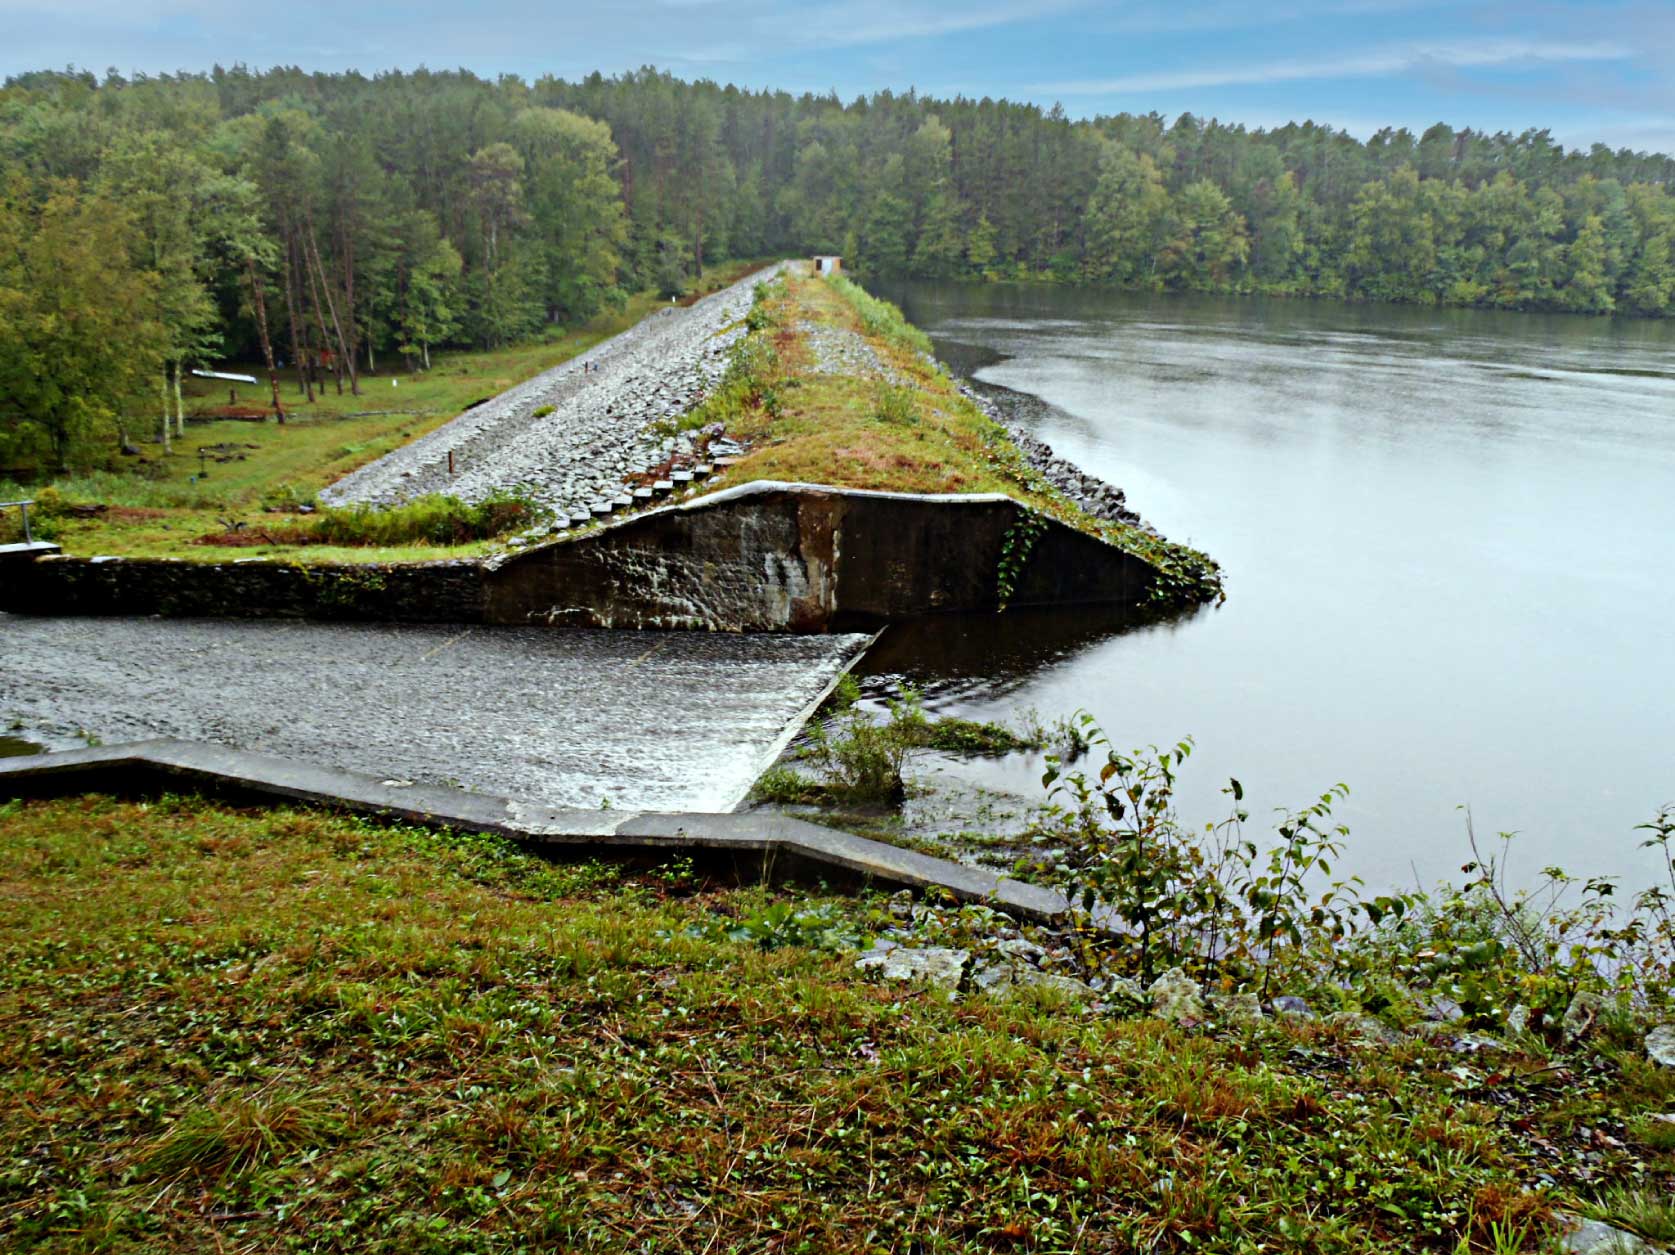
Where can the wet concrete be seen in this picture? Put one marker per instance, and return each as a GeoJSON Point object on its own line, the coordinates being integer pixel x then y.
{"type": "Point", "coordinates": [647, 720]}
{"type": "Point", "coordinates": [749, 848]}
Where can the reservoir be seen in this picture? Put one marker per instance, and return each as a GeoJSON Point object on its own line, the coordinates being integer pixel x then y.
{"type": "Point", "coordinates": [1449, 541]}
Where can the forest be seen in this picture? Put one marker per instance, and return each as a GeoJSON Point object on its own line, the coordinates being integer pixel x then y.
{"type": "Point", "coordinates": [153, 224]}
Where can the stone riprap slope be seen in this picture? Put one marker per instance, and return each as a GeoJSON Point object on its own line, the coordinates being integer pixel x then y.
{"type": "Point", "coordinates": [604, 403]}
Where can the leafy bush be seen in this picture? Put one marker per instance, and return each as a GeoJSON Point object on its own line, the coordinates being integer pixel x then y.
{"type": "Point", "coordinates": [1148, 893]}
{"type": "Point", "coordinates": [862, 759]}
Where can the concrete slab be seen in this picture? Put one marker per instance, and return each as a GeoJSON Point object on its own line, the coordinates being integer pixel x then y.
{"type": "Point", "coordinates": [773, 846]}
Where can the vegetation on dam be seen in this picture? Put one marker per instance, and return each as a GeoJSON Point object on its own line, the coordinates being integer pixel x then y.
{"type": "Point", "coordinates": [235, 1029]}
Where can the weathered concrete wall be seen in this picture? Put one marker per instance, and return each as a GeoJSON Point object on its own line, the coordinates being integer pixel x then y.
{"type": "Point", "coordinates": [423, 592]}
{"type": "Point", "coordinates": [764, 557]}
{"type": "Point", "coordinates": [804, 557]}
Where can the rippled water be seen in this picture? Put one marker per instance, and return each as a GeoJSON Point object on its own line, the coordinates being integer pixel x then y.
{"type": "Point", "coordinates": [636, 720]}
{"type": "Point", "coordinates": [1450, 546]}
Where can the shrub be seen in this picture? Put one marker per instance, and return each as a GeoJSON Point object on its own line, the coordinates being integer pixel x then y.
{"type": "Point", "coordinates": [431, 520]}
{"type": "Point", "coordinates": [1148, 892]}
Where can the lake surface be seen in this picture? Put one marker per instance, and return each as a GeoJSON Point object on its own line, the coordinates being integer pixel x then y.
{"type": "Point", "coordinates": [1449, 540]}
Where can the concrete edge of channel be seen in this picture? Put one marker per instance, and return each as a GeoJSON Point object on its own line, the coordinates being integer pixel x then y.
{"type": "Point", "coordinates": [760, 844]}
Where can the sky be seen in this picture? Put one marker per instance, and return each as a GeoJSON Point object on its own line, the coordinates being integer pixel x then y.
{"type": "Point", "coordinates": [1600, 70]}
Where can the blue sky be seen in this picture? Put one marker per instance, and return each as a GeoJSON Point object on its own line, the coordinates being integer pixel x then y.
{"type": "Point", "coordinates": [1588, 71]}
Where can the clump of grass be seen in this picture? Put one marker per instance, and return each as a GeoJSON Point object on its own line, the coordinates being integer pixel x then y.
{"type": "Point", "coordinates": [954, 735]}
{"type": "Point", "coordinates": [897, 404]}
{"type": "Point", "coordinates": [541, 411]}
{"type": "Point", "coordinates": [1650, 1213]}
{"type": "Point", "coordinates": [239, 1134]}
{"type": "Point", "coordinates": [784, 786]}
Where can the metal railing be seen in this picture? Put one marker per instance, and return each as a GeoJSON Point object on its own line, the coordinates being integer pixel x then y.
{"type": "Point", "coordinates": [23, 508]}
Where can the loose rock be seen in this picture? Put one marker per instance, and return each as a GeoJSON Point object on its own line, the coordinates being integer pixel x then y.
{"type": "Point", "coordinates": [937, 966]}
{"type": "Point", "coordinates": [1580, 1015]}
{"type": "Point", "coordinates": [1660, 1045]}
{"type": "Point", "coordinates": [1239, 1008]}
{"type": "Point", "coordinates": [1174, 997]}
{"type": "Point", "coordinates": [1595, 1237]}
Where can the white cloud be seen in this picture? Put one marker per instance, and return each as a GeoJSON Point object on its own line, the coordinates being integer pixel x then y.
{"type": "Point", "coordinates": [1375, 63]}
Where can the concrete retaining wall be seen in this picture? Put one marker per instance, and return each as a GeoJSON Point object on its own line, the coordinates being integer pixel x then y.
{"type": "Point", "coordinates": [803, 557]}
{"type": "Point", "coordinates": [767, 556]}
{"type": "Point", "coordinates": [423, 592]}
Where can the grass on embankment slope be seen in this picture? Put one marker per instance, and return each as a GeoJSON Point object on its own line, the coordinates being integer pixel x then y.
{"type": "Point", "coordinates": [903, 427]}
{"type": "Point", "coordinates": [161, 508]}
{"type": "Point", "coordinates": [236, 1029]}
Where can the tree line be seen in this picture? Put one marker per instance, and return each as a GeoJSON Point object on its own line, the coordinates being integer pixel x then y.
{"type": "Point", "coordinates": [149, 224]}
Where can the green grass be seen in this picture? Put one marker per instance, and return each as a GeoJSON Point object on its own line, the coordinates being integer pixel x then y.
{"type": "Point", "coordinates": [226, 1029]}
{"type": "Point", "coordinates": [160, 508]}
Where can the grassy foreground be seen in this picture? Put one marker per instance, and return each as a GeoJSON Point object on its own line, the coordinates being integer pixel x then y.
{"type": "Point", "coordinates": [163, 508]}
{"type": "Point", "coordinates": [226, 1030]}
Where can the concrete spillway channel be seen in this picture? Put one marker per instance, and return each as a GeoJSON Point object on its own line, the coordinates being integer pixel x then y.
{"type": "Point", "coordinates": [751, 847]}
{"type": "Point", "coordinates": [649, 720]}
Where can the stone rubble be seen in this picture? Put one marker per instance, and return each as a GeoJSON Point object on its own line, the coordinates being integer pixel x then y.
{"type": "Point", "coordinates": [1595, 1237]}
{"type": "Point", "coordinates": [937, 966]}
{"type": "Point", "coordinates": [1092, 494]}
{"type": "Point", "coordinates": [840, 351]}
{"type": "Point", "coordinates": [1660, 1045]}
{"type": "Point", "coordinates": [586, 455]}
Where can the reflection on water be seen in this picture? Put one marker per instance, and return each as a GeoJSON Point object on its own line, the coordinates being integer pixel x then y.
{"type": "Point", "coordinates": [1449, 538]}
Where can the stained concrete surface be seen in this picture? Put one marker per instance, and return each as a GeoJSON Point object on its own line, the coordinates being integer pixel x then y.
{"type": "Point", "coordinates": [749, 847]}
{"type": "Point", "coordinates": [647, 720]}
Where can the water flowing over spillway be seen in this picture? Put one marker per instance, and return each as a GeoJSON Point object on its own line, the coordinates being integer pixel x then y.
{"type": "Point", "coordinates": [643, 720]}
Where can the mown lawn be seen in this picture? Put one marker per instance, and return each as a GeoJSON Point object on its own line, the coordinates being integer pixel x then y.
{"type": "Point", "coordinates": [161, 508]}
{"type": "Point", "coordinates": [252, 1030]}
